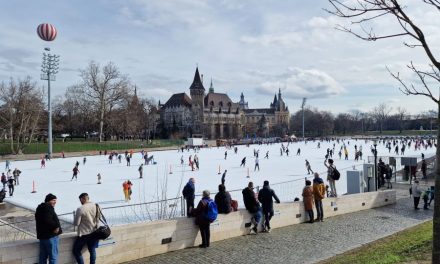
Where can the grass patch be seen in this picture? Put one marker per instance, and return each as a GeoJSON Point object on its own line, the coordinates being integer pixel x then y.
{"type": "Point", "coordinates": [414, 244]}
{"type": "Point", "coordinates": [75, 146]}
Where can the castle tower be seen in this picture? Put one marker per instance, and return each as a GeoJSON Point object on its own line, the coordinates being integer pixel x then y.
{"type": "Point", "coordinates": [197, 92]}
{"type": "Point", "coordinates": [211, 88]}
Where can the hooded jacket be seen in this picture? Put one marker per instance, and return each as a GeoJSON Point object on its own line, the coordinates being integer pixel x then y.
{"type": "Point", "coordinates": [47, 221]}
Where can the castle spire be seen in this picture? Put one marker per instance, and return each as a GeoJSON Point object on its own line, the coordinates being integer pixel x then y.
{"type": "Point", "coordinates": [211, 88]}
{"type": "Point", "coordinates": [197, 82]}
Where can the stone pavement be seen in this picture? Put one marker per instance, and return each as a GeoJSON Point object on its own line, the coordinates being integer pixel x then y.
{"type": "Point", "coordinates": [306, 243]}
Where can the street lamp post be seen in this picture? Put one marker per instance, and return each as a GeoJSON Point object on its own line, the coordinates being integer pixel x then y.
{"type": "Point", "coordinates": [49, 68]}
{"type": "Point", "coordinates": [375, 164]}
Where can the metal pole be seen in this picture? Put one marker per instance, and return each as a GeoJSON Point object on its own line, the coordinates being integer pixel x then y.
{"type": "Point", "coordinates": [375, 167]}
{"type": "Point", "coordinates": [49, 132]}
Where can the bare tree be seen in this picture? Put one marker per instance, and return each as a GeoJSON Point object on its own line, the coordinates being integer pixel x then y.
{"type": "Point", "coordinates": [104, 87]}
{"type": "Point", "coordinates": [402, 115]}
{"type": "Point", "coordinates": [380, 113]}
{"type": "Point", "coordinates": [21, 106]}
{"type": "Point", "coordinates": [361, 13]}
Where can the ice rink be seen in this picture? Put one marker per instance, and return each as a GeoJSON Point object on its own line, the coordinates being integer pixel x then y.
{"type": "Point", "coordinates": [285, 173]}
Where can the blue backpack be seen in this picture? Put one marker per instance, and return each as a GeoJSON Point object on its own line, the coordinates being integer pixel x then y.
{"type": "Point", "coordinates": [211, 212]}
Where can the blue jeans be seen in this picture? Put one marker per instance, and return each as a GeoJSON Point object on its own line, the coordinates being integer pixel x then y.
{"type": "Point", "coordinates": [257, 216]}
{"type": "Point", "coordinates": [48, 249]}
{"type": "Point", "coordinates": [80, 242]}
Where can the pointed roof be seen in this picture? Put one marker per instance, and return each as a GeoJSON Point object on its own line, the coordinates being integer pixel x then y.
{"type": "Point", "coordinates": [197, 82]}
{"type": "Point", "coordinates": [211, 88]}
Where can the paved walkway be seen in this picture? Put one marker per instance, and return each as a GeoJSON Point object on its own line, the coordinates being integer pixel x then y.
{"type": "Point", "coordinates": [306, 243]}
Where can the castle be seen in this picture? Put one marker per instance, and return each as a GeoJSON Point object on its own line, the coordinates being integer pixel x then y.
{"type": "Point", "coordinates": [214, 115]}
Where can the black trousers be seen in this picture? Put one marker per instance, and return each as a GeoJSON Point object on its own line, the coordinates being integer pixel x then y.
{"type": "Point", "coordinates": [206, 234]}
{"type": "Point", "coordinates": [319, 210]}
{"type": "Point", "coordinates": [416, 202]}
{"type": "Point", "coordinates": [311, 215]}
{"type": "Point", "coordinates": [267, 216]}
{"type": "Point", "coordinates": [189, 206]}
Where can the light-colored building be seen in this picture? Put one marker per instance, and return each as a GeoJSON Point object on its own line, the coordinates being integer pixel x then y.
{"type": "Point", "coordinates": [214, 115]}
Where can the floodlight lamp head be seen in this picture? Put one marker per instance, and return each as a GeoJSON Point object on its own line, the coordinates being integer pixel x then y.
{"type": "Point", "coordinates": [47, 49]}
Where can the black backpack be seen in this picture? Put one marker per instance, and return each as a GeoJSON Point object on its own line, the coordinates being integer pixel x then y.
{"type": "Point", "coordinates": [336, 174]}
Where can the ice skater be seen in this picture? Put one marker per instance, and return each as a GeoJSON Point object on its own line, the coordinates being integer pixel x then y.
{"type": "Point", "coordinates": [128, 160]}
{"type": "Point", "coordinates": [298, 152]}
{"type": "Point", "coordinates": [141, 171]}
{"type": "Point", "coordinates": [243, 162]}
{"type": "Point", "coordinates": [75, 173]}
{"type": "Point", "coordinates": [257, 164]}
{"type": "Point", "coordinates": [226, 154]}
{"type": "Point", "coordinates": [287, 152]}
{"type": "Point", "coordinates": [181, 160]}
{"type": "Point", "coordinates": [43, 163]}
{"type": "Point", "coordinates": [99, 178]}
{"type": "Point", "coordinates": [267, 155]}
{"type": "Point", "coordinates": [309, 168]}
{"type": "Point", "coordinates": [110, 159]}
{"type": "Point", "coordinates": [224, 177]}
{"type": "Point", "coordinates": [84, 160]}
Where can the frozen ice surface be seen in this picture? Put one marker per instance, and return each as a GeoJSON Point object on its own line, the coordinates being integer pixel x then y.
{"type": "Point", "coordinates": [158, 183]}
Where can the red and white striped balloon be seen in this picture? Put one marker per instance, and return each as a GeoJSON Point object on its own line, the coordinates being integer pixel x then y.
{"type": "Point", "coordinates": [47, 32]}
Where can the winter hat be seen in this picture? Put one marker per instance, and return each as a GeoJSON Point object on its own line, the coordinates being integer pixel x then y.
{"type": "Point", "coordinates": [49, 197]}
{"type": "Point", "coordinates": [266, 183]}
{"type": "Point", "coordinates": [206, 193]}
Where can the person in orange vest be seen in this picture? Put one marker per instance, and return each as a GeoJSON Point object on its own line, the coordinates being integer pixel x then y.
{"type": "Point", "coordinates": [125, 189]}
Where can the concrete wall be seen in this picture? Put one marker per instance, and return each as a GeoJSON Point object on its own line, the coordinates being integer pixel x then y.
{"type": "Point", "coordinates": [145, 239]}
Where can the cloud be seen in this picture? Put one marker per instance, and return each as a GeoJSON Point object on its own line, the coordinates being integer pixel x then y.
{"type": "Point", "coordinates": [284, 39]}
{"type": "Point", "coordinates": [298, 83]}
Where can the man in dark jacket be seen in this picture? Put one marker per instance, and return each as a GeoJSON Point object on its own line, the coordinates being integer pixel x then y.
{"type": "Point", "coordinates": [265, 197]}
{"type": "Point", "coordinates": [48, 229]}
{"type": "Point", "coordinates": [188, 193]}
{"type": "Point", "coordinates": [201, 220]}
{"type": "Point", "coordinates": [252, 205]}
{"type": "Point", "coordinates": [223, 200]}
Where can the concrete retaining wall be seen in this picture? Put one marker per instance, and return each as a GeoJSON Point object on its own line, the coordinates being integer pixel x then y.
{"type": "Point", "coordinates": [135, 241]}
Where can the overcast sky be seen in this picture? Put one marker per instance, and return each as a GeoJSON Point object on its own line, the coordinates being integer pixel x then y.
{"type": "Point", "coordinates": [254, 47]}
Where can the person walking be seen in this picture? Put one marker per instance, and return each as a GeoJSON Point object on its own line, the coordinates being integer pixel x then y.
{"type": "Point", "coordinates": [16, 173]}
{"type": "Point", "coordinates": [319, 195]}
{"type": "Point", "coordinates": [308, 200]}
{"type": "Point", "coordinates": [266, 196]}
{"type": "Point", "coordinates": [188, 193]}
{"type": "Point", "coordinates": [141, 171]}
{"type": "Point", "coordinates": [309, 168]}
{"type": "Point", "coordinates": [86, 222]}
{"type": "Point", "coordinates": [252, 205]}
{"type": "Point", "coordinates": [11, 183]}
{"type": "Point", "coordinates": [330, 170]}
{"type": "Point", "coordinates": [4, 180]}
{"type": "Point", "coordinates": [48, 229]}
{"type": "Point", "coordinates": [201, 218]}
{"type": "Point", "coordinates": [223, 200]}
{"type": "Point", "coordinates": [416, 193]}
{"type": "Point", "coordinates": [243, 162]}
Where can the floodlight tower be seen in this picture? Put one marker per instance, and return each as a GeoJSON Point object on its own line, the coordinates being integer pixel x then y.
{"type": "Point", "coordinates": [302, 107]}
{"type": "Point", "coordinates": [49, 68]}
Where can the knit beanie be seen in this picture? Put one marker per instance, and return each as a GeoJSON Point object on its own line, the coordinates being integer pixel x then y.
{"type": "Point", "coordinates": [49, 197]}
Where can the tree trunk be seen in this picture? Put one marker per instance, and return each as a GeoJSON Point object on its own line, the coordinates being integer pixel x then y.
{"type": "Point", "coordinates": [11, 132]}
{"type": "Point", "coordinates": [436, 219]}
{"type": "Point", "coordinates": [101, 122]}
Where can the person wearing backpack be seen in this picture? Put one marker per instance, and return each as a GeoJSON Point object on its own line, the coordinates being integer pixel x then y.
{"type": "Point", "coordinates": [266, 196]}
{"type": "Point", "coordinates": [188, 193]}
{"type": "Point", "coordinates": [205, 213]}
{"type": "Point", "coordinates": [331, 177]}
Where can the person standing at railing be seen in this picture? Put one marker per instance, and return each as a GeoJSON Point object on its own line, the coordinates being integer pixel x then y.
{"type": "Point", "coordinates": [86, 221]}
{"type": "Point", "coordinates": [48, 229]}
{"type": "Point", "coordinates": [330, 170]}
{"type": "Point", "coordinates": [319, 191]}
{"type": "Point", "coordinates": [188, 193]}
{"type": "Point", "coordinates": [266, 196]}
{"type": "Point", "coordinates": [223, 200]}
